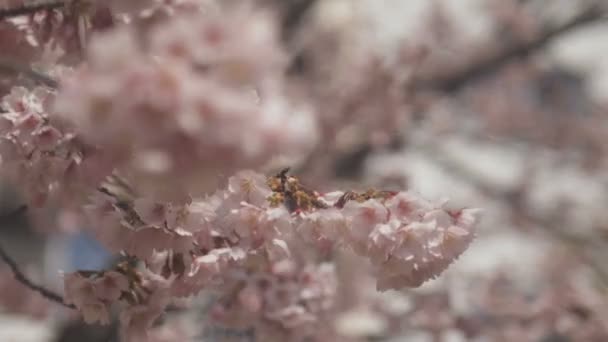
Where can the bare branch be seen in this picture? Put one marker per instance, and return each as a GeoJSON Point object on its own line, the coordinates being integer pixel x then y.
{"type": "Point", "coordinates": [21, 277]}
{"type": "Point", "coordinates": [457, 80]}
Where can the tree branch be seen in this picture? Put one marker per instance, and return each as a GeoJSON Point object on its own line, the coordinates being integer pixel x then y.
{"type": "Point", "coordinates": [9, 67]}
{"type": "Point", "coordinates": [21, 277]}
{"type": "Point", "coordinates": [455, 81]}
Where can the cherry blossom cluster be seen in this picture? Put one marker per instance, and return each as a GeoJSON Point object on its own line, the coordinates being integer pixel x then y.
{"type": "Point", "coordinates": [93, 293]}
{"type": "Point", "coordinates": [194, 95]}
{"type": "Point", "coordinates": [293, 296]}
{"type": "Point", "coordinates": [158, 102]}
{"type": "Point", "coordinates": [254, 241]}
{"type": "Point", "coordinates": [408, 239]}
{"type": "Point", "coordinates": [39, 151]}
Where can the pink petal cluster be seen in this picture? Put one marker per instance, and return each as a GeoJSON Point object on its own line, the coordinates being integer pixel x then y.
{"type": "Point", "coordinates": [188, 100]}
{"type": "Point", "coordinates": [407, 239]}
{"type": "Point", "coordinates": [414, 242]}
{"type": "Point", "coordinates": [144, 227]}
{"type": "Point", "coordinates": [40, 152]}
{"type": "Point", "coordinates": [137, 319]}
{"type": "Point", "coordinates": [291, 295]}
{"type": "Point", "coordinates": [94, 295]}
{"type": "Point", "coordinates": [266, 260]}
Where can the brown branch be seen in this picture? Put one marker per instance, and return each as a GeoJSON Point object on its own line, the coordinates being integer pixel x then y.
{"type": "Point", "coordinates": [30, 7]}
{"type": "Point", "coordinates": [20, 276]}
{"type": "Point", "coordinates": [457, 80]}
{"type": "Point", "coordinates": [23, 279]}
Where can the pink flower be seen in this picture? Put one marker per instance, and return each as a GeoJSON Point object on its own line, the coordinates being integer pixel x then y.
{"type": "Point", "coordinates": [362, 218]}
{"type": "Point", "coordinates": [39, 151]}
{"type": "Point", "coordinates": [97, 312]}
{"type": "Point", "coordinates": [408, 206]}
{"type": "Point", "coordinates": [110, 286]}
{"type": "Point", "coordinates": [250, 299]}
{"type": "Point", "coordinates": [409, 253]}
{"type": "Point", "coordinates": [137, 319]}
{"type": "Point", "coordinates": [240, 45]}
{"type": "Point", "coordinates": [81, 292]}
{"type": "Point", "coordinates": [248, 186]}
{"type": "Point", "coordinates": [78, 290]}
{"type": "Point", "coordinates": [181, 107]}
{"type": "Point", "coordinates": [323, 228]}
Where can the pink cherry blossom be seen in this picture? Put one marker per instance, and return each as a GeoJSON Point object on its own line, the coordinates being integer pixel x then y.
{"type": "Point", "coordinates": [176, 119]}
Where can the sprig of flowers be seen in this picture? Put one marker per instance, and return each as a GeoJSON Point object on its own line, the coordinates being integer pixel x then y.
{"type": "Point", "coordinates": [272, 228]}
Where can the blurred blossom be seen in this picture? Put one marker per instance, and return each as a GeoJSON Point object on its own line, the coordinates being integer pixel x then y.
{"type": "Point", "coordinates": [180, 107]}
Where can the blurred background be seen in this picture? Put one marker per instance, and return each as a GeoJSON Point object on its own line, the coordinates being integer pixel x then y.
{"type": "Point", "coordinates": [500, 104]}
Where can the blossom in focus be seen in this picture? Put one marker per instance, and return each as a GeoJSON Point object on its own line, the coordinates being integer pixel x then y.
{"type": "Point", "coordinates": [406, 239]}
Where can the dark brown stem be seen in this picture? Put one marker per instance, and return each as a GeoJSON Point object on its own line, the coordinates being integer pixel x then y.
{"type": "Point", "coordinates": [23, 279]}
{"type": "Point", "coordinates": [20, 276]}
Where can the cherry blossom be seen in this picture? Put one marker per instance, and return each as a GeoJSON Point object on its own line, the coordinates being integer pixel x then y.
{"type": "Point", "coordinates": [178, 119]}
{"type": "Point", "coordinates": [163, 130]}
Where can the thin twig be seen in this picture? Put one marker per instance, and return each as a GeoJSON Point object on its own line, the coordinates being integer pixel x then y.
{"type": "Point", "coordinates": [457, 80]}
{"type": "Point", "coordinates": [23, 279]}
{"type": "Point", "coordinates": [10, 67]}
{"type": "Point", "coordinates": [20, 276]}
{"type": "Point", "coordinates": [30, 7]}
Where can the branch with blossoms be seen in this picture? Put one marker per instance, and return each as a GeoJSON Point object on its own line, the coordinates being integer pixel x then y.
{"type": "Point", "coordinates": [149, 142]}
{"type": "Point", "coordinates": [448, 78]}
{"type": "Point", "coordinates": [452, 82]}
{"type": "Point", "coordinates": [23, 279]}
{"type": "Point", "coordinates": [256, 232]}
{"type": "Point", "coordinates": [19, 275]}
